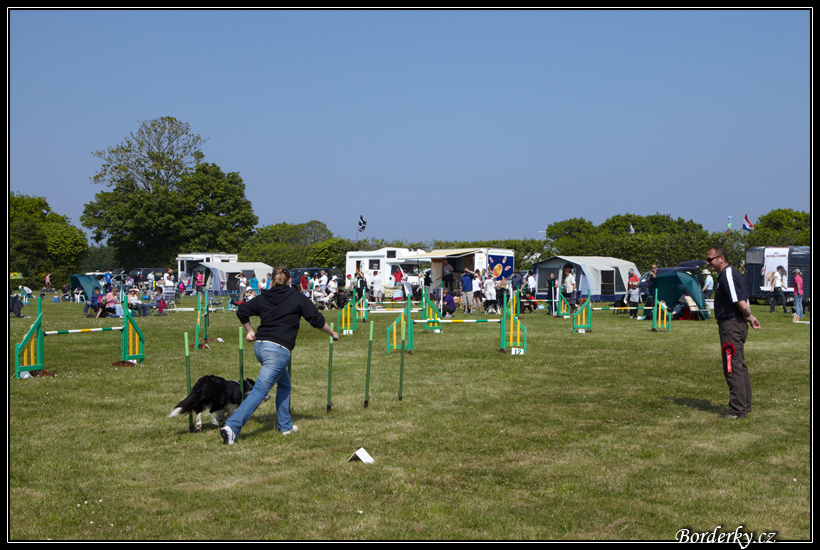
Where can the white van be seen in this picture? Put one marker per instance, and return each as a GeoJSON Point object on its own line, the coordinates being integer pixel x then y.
{"type": "Point", "coordinates": [388, 262]}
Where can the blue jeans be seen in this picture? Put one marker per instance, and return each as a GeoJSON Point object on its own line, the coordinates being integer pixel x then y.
{"type": "Point", "coordinates": [798, 305]}
{"type": "Point", "coordinates": [274, 359]}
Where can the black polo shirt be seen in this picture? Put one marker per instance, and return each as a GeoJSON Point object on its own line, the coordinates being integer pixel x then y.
{"type": "Point", "coordinates": [729, 290]}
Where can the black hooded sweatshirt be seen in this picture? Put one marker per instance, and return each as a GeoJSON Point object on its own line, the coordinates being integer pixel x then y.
{"type": "Point", "coordinates": [281, 310]}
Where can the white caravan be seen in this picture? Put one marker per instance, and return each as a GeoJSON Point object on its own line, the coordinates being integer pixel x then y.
{"type": "Point", "coordinates": [388, 262]}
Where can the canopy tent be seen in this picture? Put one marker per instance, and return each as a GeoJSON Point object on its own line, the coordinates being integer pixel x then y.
{"type": "Point", "coordinates": [499, 261]}
{"type": "Point", "coordinates": [601, 277]}
{"type": "Point", "coordinates": [87, 282]}
{"type": "Point", "coordinates": [672, 285]}
{"type": "Point", "coordinates": [448, 253]}
{"type": "Point", "coordinates": [222, 277]}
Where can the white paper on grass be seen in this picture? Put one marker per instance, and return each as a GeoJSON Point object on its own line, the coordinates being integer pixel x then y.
{"type": "Point", "coordinates": [362, 455]}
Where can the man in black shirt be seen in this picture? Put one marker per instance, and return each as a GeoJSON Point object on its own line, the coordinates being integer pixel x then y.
{"type": "Point", "coordinates": [732, 312]}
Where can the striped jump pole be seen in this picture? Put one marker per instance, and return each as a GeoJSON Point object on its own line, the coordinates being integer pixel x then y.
{"type": "Point", "coordinates": [460, 320]}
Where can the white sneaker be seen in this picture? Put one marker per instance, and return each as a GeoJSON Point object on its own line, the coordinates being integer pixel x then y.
{"type": "Point", "coordinates": [227, 435]}
{"type": "Point", "coordinates": [290, 431]}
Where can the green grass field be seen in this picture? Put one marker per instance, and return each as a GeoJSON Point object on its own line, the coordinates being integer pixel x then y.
{"type": "Point", "coordinates": [611, 434]}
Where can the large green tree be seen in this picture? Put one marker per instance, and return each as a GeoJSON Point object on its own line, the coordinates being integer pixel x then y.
{"type": "Point", "coordinates": [781, 227]}
{"type": "Point", "coordinates": [42, 241]}
{"type": "Point", "coordinates": [158, 154]}
{"type": "Point", "coordinates": [206, 211]}
{"type": "Point", "coordinates": [164, 200]}
{"type": "Point", "coordinates": [285, 244]}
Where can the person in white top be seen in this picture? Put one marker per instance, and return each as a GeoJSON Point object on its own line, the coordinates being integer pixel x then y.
{"type": "Point", "coordinates": [490, 302]}
{"type": "Point", "coordinates": [376, 285]}
{"type": "Point", "coordinates": [569, 284]}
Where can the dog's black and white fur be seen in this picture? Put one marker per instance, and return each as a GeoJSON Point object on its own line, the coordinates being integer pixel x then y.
{"type": "Point", "coordinates": [220, 396]}
{"type": "Point", "coordinates": [490, 306]}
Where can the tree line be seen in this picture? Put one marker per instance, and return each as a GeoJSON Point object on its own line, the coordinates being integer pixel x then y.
{"type": "Point", "coordinates": [162, 199]}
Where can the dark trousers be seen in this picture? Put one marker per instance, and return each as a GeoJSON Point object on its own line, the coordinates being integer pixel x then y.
{"type": "Point", "coordinates": [733, 331]}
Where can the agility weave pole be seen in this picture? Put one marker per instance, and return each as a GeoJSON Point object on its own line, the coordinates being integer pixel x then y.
{"type": "Point", "coordinates": [29, 354]}
{"type": "Point", "coordinates": [202, 320]}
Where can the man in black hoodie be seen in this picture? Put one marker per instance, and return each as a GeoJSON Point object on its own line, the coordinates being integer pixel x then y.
{"type": "Point", "coordinates": [280, 310]}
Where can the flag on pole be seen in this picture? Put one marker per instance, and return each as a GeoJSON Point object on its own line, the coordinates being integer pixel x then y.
{"type": "Point", "coordinates": [747, 225]}
{"type": "Point", "coordinates": [362, 224]}
{"type": "Point", "coordinates": [631, 229]}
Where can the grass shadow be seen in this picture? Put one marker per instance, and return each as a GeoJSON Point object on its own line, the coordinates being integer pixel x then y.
{"type": "Point", "coordinates": [699, 404]}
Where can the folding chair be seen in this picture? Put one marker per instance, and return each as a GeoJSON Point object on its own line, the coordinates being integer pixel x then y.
{"type": "Point", "coordinates": [215, 303]}
{"type": "Point", "coordinates": [693, 308]}
{"type": "Point", "coordinates": [169, 295]}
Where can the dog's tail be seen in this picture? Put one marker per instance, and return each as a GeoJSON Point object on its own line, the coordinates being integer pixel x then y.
{"type": "Point", "coordinates": [185, 405]}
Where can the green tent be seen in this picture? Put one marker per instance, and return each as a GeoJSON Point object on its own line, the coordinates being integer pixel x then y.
{"type": "Point", "coordinates": [672, 285]}
{"type": "Point", "coordinates": [88, 283]}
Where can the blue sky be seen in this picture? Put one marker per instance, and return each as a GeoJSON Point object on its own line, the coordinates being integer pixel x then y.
{"type": "Point", "coordinates": [452, 125]}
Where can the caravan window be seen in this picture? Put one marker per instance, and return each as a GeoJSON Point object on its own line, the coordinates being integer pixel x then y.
{"type": "Point", "coordinates": [373, 265]}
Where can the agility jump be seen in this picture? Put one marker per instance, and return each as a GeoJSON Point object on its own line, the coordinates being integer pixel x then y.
{"type": "Point", "coordinates": [29, 354]}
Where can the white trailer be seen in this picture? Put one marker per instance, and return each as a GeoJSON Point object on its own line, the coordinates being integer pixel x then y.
{"type": "Point", "coordinates": [187, 262]}
{"type": "Point", "coordinates": [387, 262]}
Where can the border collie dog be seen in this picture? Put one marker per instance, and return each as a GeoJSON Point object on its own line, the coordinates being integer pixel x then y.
{"type": "Point", "coordinates": [220, 396]}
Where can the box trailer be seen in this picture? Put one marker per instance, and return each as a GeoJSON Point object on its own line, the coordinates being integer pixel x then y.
{"type": "Point", "coordinates": [498, 261]}
{"type": "Point", "coordinates": [763, 261]}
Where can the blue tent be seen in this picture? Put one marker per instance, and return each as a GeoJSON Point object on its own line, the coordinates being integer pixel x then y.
{"type": "Point", "coordinates": [88, 283]}
{"type": "Point", "coordinates": [672, 285]}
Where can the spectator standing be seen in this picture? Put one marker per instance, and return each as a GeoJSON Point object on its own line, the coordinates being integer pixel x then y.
{"type": "Point", "coordinates": [708, 284]}
{"type": "Point", "coordinates": [376, 285]}
{"type": "Point", "coordinates": [569, 284]}
{"type": "Point", "coordinates": [490, 303]}
{"type": "Point", "coordinates": [732, 313]}
{"type": "Point", "coordinates": [552, 293]}
{"type": "Point", "coordinates": [467, 290]}
{"type": "Point", "coordinates": [633, 296]}
{"type": "Point", "coordinates": [777, 285]}
{"type": "Point", "coordinates": [798, 293]}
